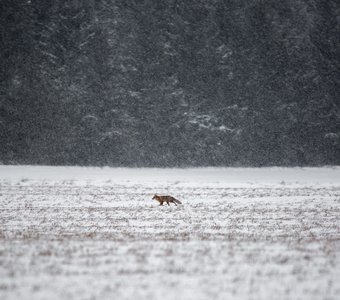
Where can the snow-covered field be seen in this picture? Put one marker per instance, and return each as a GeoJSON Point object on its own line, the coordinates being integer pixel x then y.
{"type": "Point", "coordinates": [91, 233]}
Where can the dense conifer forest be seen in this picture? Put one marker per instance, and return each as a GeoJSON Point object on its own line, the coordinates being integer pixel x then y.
{"type": "Point", "coordinates": [170, 83]}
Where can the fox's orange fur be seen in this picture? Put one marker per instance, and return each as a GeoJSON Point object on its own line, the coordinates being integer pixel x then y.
{"type": "Point", "coordinates": [167, 199]}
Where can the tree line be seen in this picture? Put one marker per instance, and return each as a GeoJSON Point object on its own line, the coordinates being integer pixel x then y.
{"type": "Point", "coordinates": [170, 83]}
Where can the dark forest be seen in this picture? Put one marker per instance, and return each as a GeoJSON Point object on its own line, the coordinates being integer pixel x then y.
{"type": "Point", "coordinates": [170, 83]}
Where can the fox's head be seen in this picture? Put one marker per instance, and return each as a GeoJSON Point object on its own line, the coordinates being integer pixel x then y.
{"type": "Point", "coordinates": [155, 197]}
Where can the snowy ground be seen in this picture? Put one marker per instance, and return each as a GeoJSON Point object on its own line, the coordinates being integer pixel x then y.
{"type": "Point", "coordinates": [90, 233]}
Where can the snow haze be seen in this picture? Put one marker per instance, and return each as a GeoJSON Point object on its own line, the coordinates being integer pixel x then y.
{"type": "Point", "coordinates": [231, 107]}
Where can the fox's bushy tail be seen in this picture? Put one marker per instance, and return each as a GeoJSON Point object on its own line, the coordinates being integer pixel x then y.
{"type": "Point", "coordinates": [177, 201]}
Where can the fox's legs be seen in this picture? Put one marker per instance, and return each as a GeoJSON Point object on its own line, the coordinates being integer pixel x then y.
{"type": "Point", "coordinates": [167, 202]}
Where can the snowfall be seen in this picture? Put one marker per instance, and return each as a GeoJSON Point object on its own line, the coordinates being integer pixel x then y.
{"type": "Point", "coordinates": [96, 233]}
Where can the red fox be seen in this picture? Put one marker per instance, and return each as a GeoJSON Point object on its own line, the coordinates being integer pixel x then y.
{"type": "Point", "coordinates": [167, 199]}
